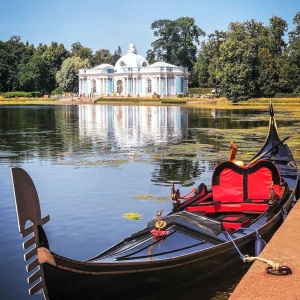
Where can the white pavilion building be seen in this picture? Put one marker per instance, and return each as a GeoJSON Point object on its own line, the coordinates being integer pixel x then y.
{"type": "Point", "coordinates": [133, 76]}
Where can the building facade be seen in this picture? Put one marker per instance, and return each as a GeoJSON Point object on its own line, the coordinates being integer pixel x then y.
{"type": "Point", "coordinates": [132, 76]}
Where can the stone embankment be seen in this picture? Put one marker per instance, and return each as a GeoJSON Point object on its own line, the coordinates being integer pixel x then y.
{"type": "Point", "coordinates": [283, 248]}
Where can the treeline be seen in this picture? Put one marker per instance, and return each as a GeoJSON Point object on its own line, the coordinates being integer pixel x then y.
{"type": "Point", "coordinates": [251, 60]}
{"type": "Point", "coordinates": [46, 69]}
{"type": "Point", "coordinates": [248, 60]}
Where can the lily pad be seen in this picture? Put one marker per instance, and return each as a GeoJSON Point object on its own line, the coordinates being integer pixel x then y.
{"type": "Point", "coordinates": [152, 198]}
{"type": "Point", "coordinates": [132, 216]}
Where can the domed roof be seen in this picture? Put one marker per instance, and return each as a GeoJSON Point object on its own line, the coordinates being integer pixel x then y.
{"type": "Point", "coordinates": [130, 60]}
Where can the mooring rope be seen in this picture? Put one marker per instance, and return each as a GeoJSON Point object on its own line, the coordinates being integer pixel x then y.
{"type": "Point", "coordinates": [272, 267]}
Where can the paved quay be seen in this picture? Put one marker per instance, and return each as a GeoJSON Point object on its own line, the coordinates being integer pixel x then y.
{"type": "Point", "coordinates": [283, 248]}
{"type": "Point", "coordinates": [76, 100]}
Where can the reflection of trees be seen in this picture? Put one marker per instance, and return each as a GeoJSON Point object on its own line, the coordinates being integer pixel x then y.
{"type": "Point", "coordinates": [168, 170]}
{"type": "Point", "coordinates": [51, 132]}
{"type": "Point", "coordinates": [220, 119]}
{"type": "Point", "coordinates": [38, 131]}
{"type": "Point", "coordinates": [188, 171]}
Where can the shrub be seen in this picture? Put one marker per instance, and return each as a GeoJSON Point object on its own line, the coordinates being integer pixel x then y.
{"type": "Point", "coordinates": [200, 91]}
{"type": "Point", "coordinates": [282, 95]}
{"type": "Point", "coordinates": [57, 91]}
{"type": "Point", "coordinates": [20, 94]}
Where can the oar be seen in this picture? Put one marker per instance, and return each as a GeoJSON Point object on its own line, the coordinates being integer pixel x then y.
{"type": "Point", "coordinates": [266, 152]}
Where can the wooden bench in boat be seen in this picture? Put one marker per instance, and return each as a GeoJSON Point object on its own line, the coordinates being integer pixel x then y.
{"type": "Point", "coordinates": [237, 189]}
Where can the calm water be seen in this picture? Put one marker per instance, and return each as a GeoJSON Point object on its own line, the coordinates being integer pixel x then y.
{"type": "Point", "coordinates": [90, 162]}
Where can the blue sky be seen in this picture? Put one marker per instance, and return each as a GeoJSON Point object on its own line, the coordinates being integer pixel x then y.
{"type": "Point", "coordinates": [108, 24]}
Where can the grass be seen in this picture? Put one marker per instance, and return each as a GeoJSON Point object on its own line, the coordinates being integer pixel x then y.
{"type": "Point", "coordinates": [23, 100]}
{"type": "Point", "coordinates": [221, 103]}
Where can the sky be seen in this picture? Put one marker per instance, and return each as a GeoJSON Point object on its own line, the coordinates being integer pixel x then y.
{"type": "Point", "coordinates": [100, 24]}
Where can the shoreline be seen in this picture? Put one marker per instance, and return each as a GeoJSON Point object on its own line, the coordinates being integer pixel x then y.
{"type": "Point", "coordinates": [220, 103]}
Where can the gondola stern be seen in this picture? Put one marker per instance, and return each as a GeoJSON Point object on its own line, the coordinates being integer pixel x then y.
{"type": "Point", "coordinates": [273, 132]}
{"type": "Point", "coordinates": [31, 223]}
{"type": "Point", "coordinates": [271, 109]}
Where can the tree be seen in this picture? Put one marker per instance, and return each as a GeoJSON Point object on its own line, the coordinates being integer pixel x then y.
{"type": "Point", "coordinates": [290, 73]}
{"type": "Point", "coordinates": [162, 47]}
{"type": "Point", "coordinates": [14, 49]}
{"type": "Point", "coordinates": [272, 45]}
{"type": "Point", "coordinates": [188, 38]}
{"type": "Point", "coordinates": [4, 67]}
{"type": "Point", "coordinates": [53, 57]}
{"type": "Point", "coordinates": [83, 52]}
{"type": "Point", "coordinates": [102, 56]}
{"type": "Point", "coordinates": [38, 67]}
{"type": "Point", "coordinates": [27, 71]}
{"type": "Point", "coordinates": [67, 77]}
{"type": "Point", "coordinates": [150, 56]}
{"type": "Point", "coordinates": [116, 56]}
{"type": "Point", "coordinates": [240, 60]}
{"type": "Point", "coordinates": [177, 41]}
{"type": "Point", "coordinates": [207, 67]}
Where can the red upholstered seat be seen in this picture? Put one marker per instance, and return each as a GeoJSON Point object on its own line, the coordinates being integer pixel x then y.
{"type": "Point", "coordinates": [259, 182]}
{"type": "Point", "coordinates": [233, 222]}
{"type": "Point", "coordinates": [227, 183]}
{"type": "Point", "coordinates": [208, 207]}
{"type": "Point", "coordinates": [237, 189]}
{"type": "Point", "coordinates": [231, 183]}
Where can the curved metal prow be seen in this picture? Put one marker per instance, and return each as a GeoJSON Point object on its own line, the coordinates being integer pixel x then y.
{"type": "Point", "coordinates": [29, 211]}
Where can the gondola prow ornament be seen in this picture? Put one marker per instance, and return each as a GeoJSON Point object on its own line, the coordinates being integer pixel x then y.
{"type": "Point", "coordinates": [160, 225]}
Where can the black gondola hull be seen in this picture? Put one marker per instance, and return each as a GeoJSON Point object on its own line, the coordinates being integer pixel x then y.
{"type": "Point", "coordinates": [77, 280]}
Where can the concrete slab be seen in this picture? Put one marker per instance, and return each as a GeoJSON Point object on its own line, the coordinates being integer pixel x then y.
{"type": "Point", "coordinates": [284, 248]}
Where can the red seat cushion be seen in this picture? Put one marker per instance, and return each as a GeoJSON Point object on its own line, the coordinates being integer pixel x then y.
{"type": "Point", "coordinates": [231, 183]}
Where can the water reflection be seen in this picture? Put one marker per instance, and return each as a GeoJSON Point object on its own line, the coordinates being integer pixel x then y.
{"type": "Point", "coordinates": [51, 132]}
{"type": "Point", "coordinates": [133, 126]}
{"type": "Point", "coordinates": [180, 138]}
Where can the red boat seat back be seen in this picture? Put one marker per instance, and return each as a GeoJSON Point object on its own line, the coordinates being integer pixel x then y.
{"type": "Point", "coordinates": [233, 184]}
{"type": "Point", "coordinates": [227, 182]}
{"type": "Point", "coordinates": [259, 180]}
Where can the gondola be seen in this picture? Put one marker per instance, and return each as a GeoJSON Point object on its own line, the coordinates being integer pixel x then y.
{"type": "Point", "coordinates": [201, 234]}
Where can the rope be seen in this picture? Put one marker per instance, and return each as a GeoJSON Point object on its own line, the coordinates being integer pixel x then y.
{"type": "Point", "coordinates": [237, 249]}
{"type": "Point", "coordinates": [272, 267]}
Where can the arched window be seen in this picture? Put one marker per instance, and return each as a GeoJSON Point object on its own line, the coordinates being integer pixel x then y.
{"type": "Point", "coordinates": [119, 87]}
{"type": "Point", "coordinates": [149, 86]}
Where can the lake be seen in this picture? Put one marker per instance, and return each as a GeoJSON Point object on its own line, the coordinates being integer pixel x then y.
{"type": "Point", "coordinates": [92, 164]}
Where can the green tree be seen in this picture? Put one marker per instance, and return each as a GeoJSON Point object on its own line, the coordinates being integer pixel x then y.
{"type": "Point", "coordinates": [240, 60]}
{"type": "Point", "coordinates": [27, 71]}
{"type": "Point", "coordinates": [38, 67]}
{"type": "Point", "coordinates": [214, 43]}
{"type": "Point", "coordinates": [290, 72]}
{"type": "Point", "coordinates": [204, 64]}
{"type": "Point", "coordinates": [53, 57]}
{"type": "Point", "coordinates": [163, 46]}
{"type": "Point", "coordinates": [83, 52]}
{"type": "Point", "coordinates": [150, 56]}
{"type": "Point", "coordinates": [272, 46]}
{"type": "Point", "coordinates": [116, 56]}
{"type": "Point", "coordinates": [4, 66]}
{"type": "Point", "coordinates": [14, 49]}
{"type": "Point", "coordinates": [102, 56]}
{"type": "Point", "coordinates": [177, 41]}
{"type": "Point", "coordinates": [67, 77]}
